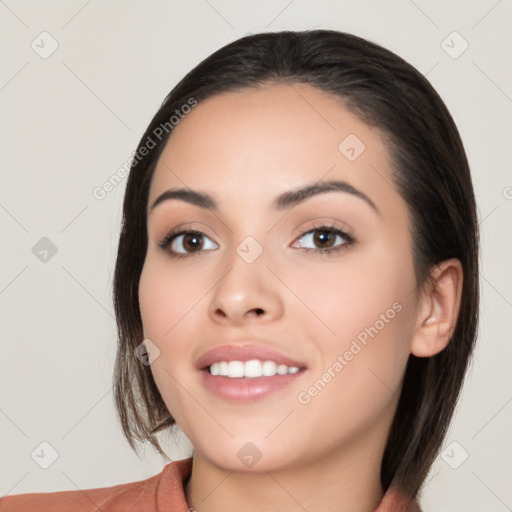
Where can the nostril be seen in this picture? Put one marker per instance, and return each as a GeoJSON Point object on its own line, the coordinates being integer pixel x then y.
{"type": "Point", "coordinates": [259, 311]}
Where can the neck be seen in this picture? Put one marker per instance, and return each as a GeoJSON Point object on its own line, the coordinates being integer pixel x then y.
{"type": "Point", "coordinates": [341, 482]}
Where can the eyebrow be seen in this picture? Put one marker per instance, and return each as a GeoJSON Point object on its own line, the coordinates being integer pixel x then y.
{"type": "Point", "coordinates": [285, 200]}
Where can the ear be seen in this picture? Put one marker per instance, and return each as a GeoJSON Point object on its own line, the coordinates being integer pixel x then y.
{"type": "Point", "coordinates": [438, 309]}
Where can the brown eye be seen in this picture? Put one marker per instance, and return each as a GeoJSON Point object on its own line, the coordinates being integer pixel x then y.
{"type": "Point", "coordinates": [324, 238]}
{"type": "Point", "coordinates": [189, 242]}
{"type": "Point", "coordinates": [192, 242]}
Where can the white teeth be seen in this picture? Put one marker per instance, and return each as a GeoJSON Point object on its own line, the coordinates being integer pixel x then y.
{"type": "Point", "coordinates": [253, 368]}
{"type": "Point", "coordinates": [235, 369]}
{"type": "Point", "coordinates": [250, 369]}
{"type": "Point", "coordinates": [282, 369]}
{"type": "Point", "coordinates": [223, 368]}
{"type": "Point", "coordinates": [269, 369]}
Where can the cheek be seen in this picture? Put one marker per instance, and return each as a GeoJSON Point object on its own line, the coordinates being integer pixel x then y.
{"type": "Point", "coordinates": [167, 297]}
{"type": "Point", "coordinates": [357, 383]}
{"type": "Point", "coordinates": [343, 299]}
{"type": "Point", "coordinates": [363, 321]}
{"type": "Point", "coordinates": [172, 305]}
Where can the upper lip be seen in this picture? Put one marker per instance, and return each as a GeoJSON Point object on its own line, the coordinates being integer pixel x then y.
{"type": "Point", "coordinates": [244, 352]}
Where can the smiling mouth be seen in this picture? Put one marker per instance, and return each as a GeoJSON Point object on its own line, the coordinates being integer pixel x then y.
{"type": "Point", "coordinates": [250, 369]}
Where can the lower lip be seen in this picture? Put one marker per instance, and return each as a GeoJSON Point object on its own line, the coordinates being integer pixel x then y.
{"type": "Point", "coordinates": [247, 389]}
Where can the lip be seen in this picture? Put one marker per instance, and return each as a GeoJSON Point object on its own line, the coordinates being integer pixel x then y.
{"type": "Point", "coordinates": [245, 390]}
{"type": "Point", "coordinates": [244, 353]}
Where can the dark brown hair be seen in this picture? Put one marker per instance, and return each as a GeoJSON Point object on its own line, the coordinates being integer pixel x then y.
{"type": "Point", "coordinates": [431, 173]}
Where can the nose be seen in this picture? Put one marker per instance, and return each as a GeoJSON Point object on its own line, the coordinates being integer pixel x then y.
{"type": "Point", "coordinates": [247, 293]}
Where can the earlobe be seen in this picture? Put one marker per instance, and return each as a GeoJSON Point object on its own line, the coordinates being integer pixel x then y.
{"type": "Point", "coordinates": [438, 309]}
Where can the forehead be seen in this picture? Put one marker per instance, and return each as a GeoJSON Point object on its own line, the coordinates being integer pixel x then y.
{"type": "Point", "coordinates": [269, 139]}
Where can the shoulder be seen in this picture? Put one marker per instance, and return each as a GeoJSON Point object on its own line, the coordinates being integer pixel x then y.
{"type": "Point", "coordinates": [395, 501]}
{"type": "Point", "coordinates": [107, 498]}
{"type": "Point", "coordinates": [144, 495]}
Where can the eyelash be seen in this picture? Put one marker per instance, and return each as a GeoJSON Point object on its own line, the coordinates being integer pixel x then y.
{"type": "Point", "coordinates": [331, 229]}
{"type": "Point", "coordinates": [169, 238]}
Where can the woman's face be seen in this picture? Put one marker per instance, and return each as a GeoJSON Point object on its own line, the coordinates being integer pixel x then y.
{"type": "Point", "coordinates": [318, 285]}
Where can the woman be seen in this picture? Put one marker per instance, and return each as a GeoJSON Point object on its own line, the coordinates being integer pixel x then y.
{"type": "Point", "coordinates": [296, 284]}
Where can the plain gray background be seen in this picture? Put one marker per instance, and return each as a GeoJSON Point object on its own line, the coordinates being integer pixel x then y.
{"type": "Point", "coordinates": [70, 119]}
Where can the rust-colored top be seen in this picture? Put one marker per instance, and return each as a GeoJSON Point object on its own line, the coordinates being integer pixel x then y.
{"type": "Point", "coordinates": [163, 492]}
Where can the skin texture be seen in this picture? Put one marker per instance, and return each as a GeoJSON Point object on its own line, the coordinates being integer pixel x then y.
{"type": "Point", "coordinates": [244, 148]}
